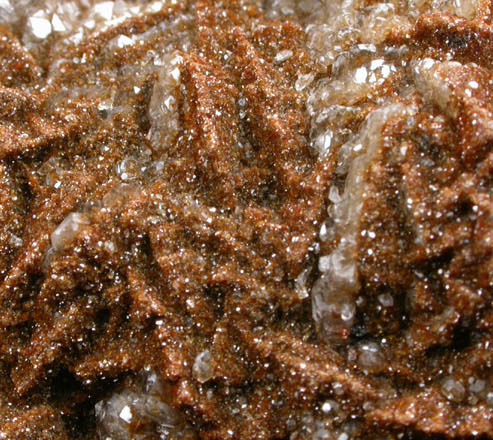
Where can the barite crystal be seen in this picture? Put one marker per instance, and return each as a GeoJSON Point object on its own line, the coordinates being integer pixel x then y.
{"type": "Point", "coordinates": [163, 111]}
{"type": "Point", "coordinates": [303, 81]}
{"type": "Point", "coordinates": [333, 294]}
{"type": "Point", "coordinates": [104, 9]}
{"type": "Point", "coordinates": [40, 25]}
{"type": "Point", "coordinates": [370, 358]}
{"type": "Point", "coordinates": [246, 219]}
{"type": "Point", "coordinates": [283, 56]}
{"type": "Point", "coordinates": [6, 9]}
{"type": "Point", "coordinates": [140, 413]}
{"type": "Point", "coordinates": [63, 236]}
{"type": "Point", "coordinates": [202, 368]}
{"type": "Point", "coordinates": [453, 389]}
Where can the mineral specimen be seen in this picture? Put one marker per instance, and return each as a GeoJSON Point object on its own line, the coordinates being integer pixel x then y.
{"type": "Point", "coordinates": [246, 219]}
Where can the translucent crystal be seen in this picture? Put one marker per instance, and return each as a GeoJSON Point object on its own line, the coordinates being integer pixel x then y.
{"type": "Point", "coordinates": [52, 171]}
{"type": "Point", "coordinates": [283, 55]}
{"type": "Point", "coordinates": [360, 75]}
{"type": "Point", "coordinates": [63, 236]}
{"type": "Point", "coordinates": [477, 386]}
{"type": "Point", "coordinates": [163, 110]}
{"type": "Point", "coordinates": [379, 20]}
{"type": "Point", "coordinates": [489, 399]}
{"type": "Point", "coordinates": [323, 143]}
{"type": "Point", "coordinates": [155, 6]}
{"type": "Point", "coordinates": [347, 311]}
{"type": "Point", "coordinates": [142, 405]}
{"type": "Point", "coordinates": [452, 389]}
{"type": "Point", "coordinates": [327, 231]}
{"type": "Point", "coordinates": [128, 169]}
{"type": "Point", "coordinates": [117, 195]}
{"type": "Point", "coordinates": [467, 8]}
{"type": "Point", "coordinates": [104, 10]}
{"type": "Point", "coordinates": [6, 11]}
{"type": "Point", "coordinates": [430, 83]}
{"type": "Point", "coordinates": [57, 24]}
{"type": "Point", "coordinates": [320, 434]}
{"type": "Point", "coordinates": [333, 306]}
{"type": "Point", "coordinates": [202, 368]}
{"type": "Point", "coordinates": [370, 357]}
{"type": "Point", "coordinates": [123, 41]}
{"type": "Point", "coordinates": [304, 81]}
{"type": "Point", "coordinates": [334, 195]}
{"type": "Point", "coordinates": [334, 293]}
{"type": "Point", "coordinates": [340, 264]}
{"type": "Point", "coordinates": [330, 406]}
{"type": "Point", "coordinates": [386, 300]}
{"type": "Point", "coordinates": [40, 25]}
{"type": "Point", "coordinates": [126, 414]}
{"type": "Point", "coordinates": [433, 80]}
{"type": "Point", "coordinates": [15, 241]}
{"type": "Point", "coordinates": [327, 120]}
{"type": "Point", "coordinates": [461, 8]}
{"type": "Point", "coordinates": [301, 283]}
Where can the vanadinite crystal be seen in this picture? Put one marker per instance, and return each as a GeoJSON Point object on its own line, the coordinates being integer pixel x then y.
{"type": "Point", "coordinates": [246, 219]}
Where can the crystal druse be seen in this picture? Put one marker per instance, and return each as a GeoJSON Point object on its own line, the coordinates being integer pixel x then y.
{"type": "Point", "coordinates": [246, 219]}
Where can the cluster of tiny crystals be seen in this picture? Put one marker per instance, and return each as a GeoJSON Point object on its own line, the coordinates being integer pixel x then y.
{"type": "Point", "coordinates": [354, 67]}
{"type": "Point", "coordinates": [354, 61]}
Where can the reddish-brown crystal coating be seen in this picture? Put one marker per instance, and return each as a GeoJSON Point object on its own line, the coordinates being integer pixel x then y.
{"type": "Point", "coordinates": [128, 247]}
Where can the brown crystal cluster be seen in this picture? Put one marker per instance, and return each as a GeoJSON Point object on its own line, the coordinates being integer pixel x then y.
{"type": "Point", "coordinates": [246, 220]}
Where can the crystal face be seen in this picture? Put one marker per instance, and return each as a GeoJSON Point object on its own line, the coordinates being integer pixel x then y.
{"type": "Point", "coordinates": [246, 219]}
{"type": "Point", "coordinates": [141, 413]}
{"type": "Point", "coordinates": [66, 232]}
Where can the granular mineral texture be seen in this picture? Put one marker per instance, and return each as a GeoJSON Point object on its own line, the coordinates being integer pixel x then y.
{"type": "Point", "coordinates": [246, 219]}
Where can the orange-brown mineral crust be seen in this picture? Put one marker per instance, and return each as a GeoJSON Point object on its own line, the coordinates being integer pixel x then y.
{"type": "Point", "coordinates": [246, 219]}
